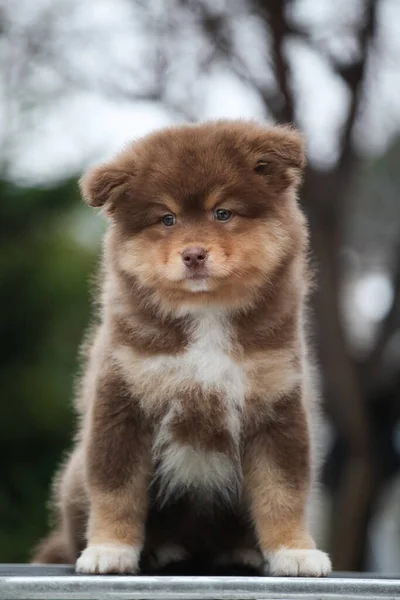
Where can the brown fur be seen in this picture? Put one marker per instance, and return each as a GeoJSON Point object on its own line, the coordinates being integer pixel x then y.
{"type": "Point", "coordinates": [210, 432]}
{"type": "Point", "coordinates": [278, 453]}
{"type": "Point", "coordinates": [145, 396]}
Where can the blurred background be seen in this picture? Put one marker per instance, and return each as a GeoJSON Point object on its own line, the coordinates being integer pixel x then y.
{"type": "Point", "coordinates": [78, 79]}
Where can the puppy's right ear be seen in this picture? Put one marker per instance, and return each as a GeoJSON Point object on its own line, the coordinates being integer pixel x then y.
{"type": "Point", "coordinates": [102, 185]}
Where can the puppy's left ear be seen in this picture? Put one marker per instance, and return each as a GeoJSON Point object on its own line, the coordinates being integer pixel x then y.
{"type": "Point", "coordinates": [281, 156]}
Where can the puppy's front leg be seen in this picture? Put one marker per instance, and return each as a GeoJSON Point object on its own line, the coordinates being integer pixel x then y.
{"type": "Point", "coordinates": [118, 471]}
{"type": "Point", "coordinates": [277, 481]}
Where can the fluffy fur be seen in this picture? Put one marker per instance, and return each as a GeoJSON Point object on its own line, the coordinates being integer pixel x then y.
{"type": "Point", "coordinates": [196, 402]}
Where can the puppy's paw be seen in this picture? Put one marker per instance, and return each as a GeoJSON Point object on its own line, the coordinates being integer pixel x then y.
{"type": "Point", "coordinates": [293, 562]}
{"type": "Point", "coordinates": [109, 558]}
{"type": "Point", "coordinates": [167, 554]}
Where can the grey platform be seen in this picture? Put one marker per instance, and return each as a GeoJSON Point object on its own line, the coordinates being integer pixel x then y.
{"type": "Point", "coordinates": [24, 582]}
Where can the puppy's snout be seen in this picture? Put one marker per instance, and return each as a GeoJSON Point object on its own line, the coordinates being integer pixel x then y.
{"type": "Point", "coordinates": [194, 257]}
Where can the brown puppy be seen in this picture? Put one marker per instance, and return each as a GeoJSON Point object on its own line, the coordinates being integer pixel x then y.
{"type": "Point", "coordinates": [197, 398]}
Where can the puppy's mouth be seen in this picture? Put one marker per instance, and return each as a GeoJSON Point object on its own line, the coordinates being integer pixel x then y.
{"type": "Point", "coordinates": [197, 275]}
{"type": "Point", "coordinates": [198, 279]}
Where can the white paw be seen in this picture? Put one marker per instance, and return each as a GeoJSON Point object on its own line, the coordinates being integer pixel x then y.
{"type": "Point", "coordinates": [292, 562]}
{"type": "Point", "coordinates": [246, 557]}
{"type": "Point", "coordinates": [166, 554]}
{"type": "Point", "coordinates": [109, 558]}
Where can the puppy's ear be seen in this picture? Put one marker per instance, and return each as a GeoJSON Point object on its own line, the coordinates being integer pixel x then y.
{"type": "Point", "coordinates": [280, 156]}
{"type": "Point", "coordinates": [102, 185]}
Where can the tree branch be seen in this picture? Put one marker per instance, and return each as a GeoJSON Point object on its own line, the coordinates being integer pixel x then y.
{"type": "Point", "coordinates": [273, 12]}
{"type": "Point", "coordinates": [354, 76]}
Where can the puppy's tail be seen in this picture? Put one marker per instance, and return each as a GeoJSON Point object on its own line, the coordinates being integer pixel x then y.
{"type": "Point", "coordinates": [53, 549]}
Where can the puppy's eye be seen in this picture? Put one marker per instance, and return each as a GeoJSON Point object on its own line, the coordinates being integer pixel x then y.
{"type": "Point", "coordinates": [221, 214]}
{"type": "Point", "coordinates": [169, 220]}
{"type": "Point", "coordinates": [262, 167]}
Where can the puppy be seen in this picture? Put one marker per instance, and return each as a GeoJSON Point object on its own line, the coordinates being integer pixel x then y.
{"type": "Point", "coordinates": [197, 399]}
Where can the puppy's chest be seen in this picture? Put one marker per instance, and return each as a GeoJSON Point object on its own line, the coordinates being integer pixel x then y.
{"type": "Point", "coordinates": [206, 369]}
{"type": "Point", "coordinates": [202, 395]}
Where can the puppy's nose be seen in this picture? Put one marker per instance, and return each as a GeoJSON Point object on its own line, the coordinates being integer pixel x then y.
{"type": "Point", "coordinates": [194, 257]}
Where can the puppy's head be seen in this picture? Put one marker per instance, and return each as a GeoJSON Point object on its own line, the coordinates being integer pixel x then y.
{"type": "Point", "coordinates": [204, 213]}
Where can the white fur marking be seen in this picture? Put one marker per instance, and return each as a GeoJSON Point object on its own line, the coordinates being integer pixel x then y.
{"type": "Point", "coordinates": [109, 558]}
{"type": "Point", "coordinates": [184, 467]}
{"type": "Point", "coordinates": [197, 285]}
{"type": "Point", "coordinates": [292, 562]}
{"type": "Point", "coordinates": [206, 362]}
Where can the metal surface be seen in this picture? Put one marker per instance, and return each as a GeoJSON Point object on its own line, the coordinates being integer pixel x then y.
{"type": "Point", "coordinates": [25, 583]}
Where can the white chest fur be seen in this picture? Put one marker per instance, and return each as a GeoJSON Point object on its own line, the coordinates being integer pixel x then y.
{"type": "Point", "coordinates": [207, 362]}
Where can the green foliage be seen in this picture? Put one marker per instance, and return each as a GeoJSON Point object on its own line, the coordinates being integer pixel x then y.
{"type": "Point", "coordinates": [44, 307]}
